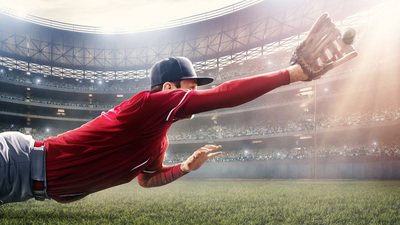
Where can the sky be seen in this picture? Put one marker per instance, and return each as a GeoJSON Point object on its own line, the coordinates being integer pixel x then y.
{"type": "Point", "coordinates": [114, 13]}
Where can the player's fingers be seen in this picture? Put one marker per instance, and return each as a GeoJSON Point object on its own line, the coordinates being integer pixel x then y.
{"type": "Point", "coordinates": [204, 151]}
{"type": "Point", "coordinates": [214, 154]}
{"type": "Point", "coordinates": [209, 148]}
{"type": "Point", "coordinates": [212, 148]}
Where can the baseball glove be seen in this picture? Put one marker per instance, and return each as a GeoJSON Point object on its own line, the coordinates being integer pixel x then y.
{"type": "Point", "coordinates": [322, 50]}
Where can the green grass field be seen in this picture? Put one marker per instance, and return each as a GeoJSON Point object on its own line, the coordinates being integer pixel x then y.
{"type": "Point", "coordinates": [223, 202]}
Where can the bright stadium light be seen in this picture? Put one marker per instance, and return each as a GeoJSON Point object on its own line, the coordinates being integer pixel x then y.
{"type": "Point", "coordinates": [21, 13]}
{"type": "Point", "coordinates": [115, 15]}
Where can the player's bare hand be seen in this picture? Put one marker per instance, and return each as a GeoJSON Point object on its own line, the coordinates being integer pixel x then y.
{"type": "Point", "coordinates": [199, 157]}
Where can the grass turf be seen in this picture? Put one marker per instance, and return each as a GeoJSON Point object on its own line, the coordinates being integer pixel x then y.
{"type": "Point", "coordinates": [222, 202]}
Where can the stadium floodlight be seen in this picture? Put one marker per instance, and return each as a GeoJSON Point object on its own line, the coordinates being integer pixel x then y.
{"type": "Point", "coordinates": [61, 112]}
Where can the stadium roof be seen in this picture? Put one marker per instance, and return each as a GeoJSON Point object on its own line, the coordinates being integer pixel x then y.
{"type": "Point", "coordinates": [212, 43]}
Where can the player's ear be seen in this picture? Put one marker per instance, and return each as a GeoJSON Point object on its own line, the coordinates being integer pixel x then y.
{"type": "Point", "coordinates": [167, 86]}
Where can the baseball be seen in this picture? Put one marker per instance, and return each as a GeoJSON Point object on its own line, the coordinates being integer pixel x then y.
{"type": "Point", "coordinates": [348, 36]}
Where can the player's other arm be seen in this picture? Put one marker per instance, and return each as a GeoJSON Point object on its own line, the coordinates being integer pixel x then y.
{"type": "Point", "coordinates": [158, 174]}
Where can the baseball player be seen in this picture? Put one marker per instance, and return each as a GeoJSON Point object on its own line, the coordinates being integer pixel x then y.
{"type": "Point", "coordinates": [130, 140]}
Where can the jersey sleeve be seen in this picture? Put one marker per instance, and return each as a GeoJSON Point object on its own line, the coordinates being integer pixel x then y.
{"type": "Point", "coordinates": [234, 93]}
{"type": "Point", "coordinates": [161, 105]}
{"type": "Point", "coordinates": [157, 174]}
{"type": "Point", "coordinates": [166, 104]}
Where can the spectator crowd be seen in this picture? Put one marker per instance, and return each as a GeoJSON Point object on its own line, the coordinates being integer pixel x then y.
{"type": "Point", "coordinates": [264, 154]}
{"type": "Point", "coordinates": [273, 128]}
{"type": "Point", "coordinates": [270, 128]}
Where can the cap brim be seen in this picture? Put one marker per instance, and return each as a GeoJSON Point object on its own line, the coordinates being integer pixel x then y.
{"type": "Point", "coordinates": [200, 80]}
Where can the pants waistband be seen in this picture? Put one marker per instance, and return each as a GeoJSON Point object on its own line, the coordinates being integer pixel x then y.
{"type": "Point", "coordinates": [38, 166]}
{"type": "Point", "coordinates": [38, 161]}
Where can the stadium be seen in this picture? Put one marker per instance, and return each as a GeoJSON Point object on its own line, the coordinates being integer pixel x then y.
{"type": "Point", "coordinates": [56, 76]}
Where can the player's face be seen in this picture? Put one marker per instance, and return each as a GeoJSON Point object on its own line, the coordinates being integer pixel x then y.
{"type": "Point", "coordinates": [188, 85]}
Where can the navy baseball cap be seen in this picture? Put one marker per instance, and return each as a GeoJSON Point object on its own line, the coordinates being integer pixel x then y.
{"type": "Point", "coordinates": [175, 69]}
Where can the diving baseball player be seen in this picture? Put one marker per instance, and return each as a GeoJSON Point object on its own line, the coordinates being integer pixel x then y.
{"type": "Point", "coordinates": [130, 140]}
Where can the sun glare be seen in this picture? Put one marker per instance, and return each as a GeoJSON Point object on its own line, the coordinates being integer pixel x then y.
{"type": "Point", "coordinates": [114, 15]}
{"type": "Point", "coordinates": [377, 43]}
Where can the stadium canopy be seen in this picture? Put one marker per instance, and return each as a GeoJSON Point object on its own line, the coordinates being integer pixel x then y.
{"type": "Point", "coordinates": [212, 41]}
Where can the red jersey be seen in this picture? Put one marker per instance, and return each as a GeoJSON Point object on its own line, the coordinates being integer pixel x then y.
{"type": "Point", "coordinates": [130, 140]}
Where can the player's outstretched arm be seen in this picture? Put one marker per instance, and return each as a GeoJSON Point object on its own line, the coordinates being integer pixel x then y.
{"type": "Point", "coordinates": [199, 157]}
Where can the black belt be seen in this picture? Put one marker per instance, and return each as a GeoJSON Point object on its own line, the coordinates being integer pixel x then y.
{"type": "Point", "coordinates": [38, 187]}
{"type": "Point", "coordinates": [39, 191]}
